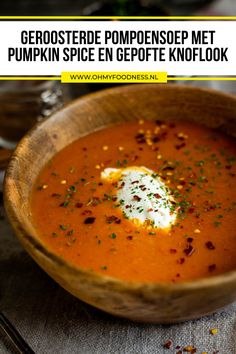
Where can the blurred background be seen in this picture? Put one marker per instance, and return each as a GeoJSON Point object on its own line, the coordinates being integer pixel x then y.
{"type": "Point", "coordinates": [24, 103]}
{"type": "Point", "coordinates": [117, 7]}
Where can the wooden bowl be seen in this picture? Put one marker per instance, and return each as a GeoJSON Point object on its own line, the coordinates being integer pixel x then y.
{"type": "Point", "coordinates": [157, 303]}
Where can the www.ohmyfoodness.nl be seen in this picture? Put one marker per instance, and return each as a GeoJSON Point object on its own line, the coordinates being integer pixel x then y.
{"type": "Point", "coordinates": [118, 77]}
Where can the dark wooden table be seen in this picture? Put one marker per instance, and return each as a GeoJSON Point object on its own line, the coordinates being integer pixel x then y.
{"type": "Point", "coordinates": [42, 7]}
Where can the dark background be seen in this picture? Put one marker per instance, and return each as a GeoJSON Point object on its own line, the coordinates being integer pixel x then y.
{"type": "Point", "coordinates": [76, 7]}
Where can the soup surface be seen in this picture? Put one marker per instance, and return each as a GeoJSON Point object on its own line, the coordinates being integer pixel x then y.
{"type": "Point", "coordinates": [142, 201]}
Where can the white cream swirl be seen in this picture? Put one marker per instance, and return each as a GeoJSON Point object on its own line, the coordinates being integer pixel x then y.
{"type": "Point", "coordinates": [143, 196]}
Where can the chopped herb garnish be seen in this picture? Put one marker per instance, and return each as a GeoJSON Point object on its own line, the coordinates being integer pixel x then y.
{"type": "Point", "coordinates": [217, 223]}
{"type": "Point", "coordinates": [63, 227]}
{"type": "Point", "coordinates": [186, 152]}
{"type": "Point", "coordinates": [200, 163]}
{"type": "Point", "coordinates": [72, 188]}
{"type": "Point", "coordinates": [65, 204]}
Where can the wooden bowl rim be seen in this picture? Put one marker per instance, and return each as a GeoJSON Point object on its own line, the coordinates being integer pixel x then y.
{"type": "Point", "coordinates": [21, 231]}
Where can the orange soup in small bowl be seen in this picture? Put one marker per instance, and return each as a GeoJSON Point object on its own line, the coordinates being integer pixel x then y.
{"type": "Point", "coordinates": [142, 201]}
{"type": "Point", "coordinates": [127, 199]}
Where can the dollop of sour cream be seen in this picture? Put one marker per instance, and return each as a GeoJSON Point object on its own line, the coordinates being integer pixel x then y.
{"type": "Point", "coordinates": [143, 196]}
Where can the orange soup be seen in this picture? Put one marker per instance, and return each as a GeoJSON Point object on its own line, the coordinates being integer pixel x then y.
{"type": "Point", "coordinates": [142, 201]}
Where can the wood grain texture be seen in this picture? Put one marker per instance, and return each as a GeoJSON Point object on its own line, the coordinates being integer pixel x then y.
{"type": "Point", "coordinates": [141, 302]}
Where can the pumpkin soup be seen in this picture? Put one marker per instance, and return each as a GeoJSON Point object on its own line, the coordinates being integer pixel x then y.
{"type": "Point", "coordinates": [142, 201]}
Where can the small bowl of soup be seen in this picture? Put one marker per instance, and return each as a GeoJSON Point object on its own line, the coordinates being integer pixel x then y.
{"type": "Point", "coordinates": [127, 199]}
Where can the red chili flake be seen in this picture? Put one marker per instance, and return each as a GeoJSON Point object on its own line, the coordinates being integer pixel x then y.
{"type": "Point", "coordinates": [122, 185]}
{"type": "Point", "coordinates": [182, 183]}
{"type": "Point", "coordinates": [178, 208]}
{"type": "Point", "coordinates": [112, 219]}
{"type": "Point", "coordinates": [191, 210]}
{"type": "Point", "coordinates": [210, 245]}
{"type": "Point", "coordinates": [142, 187]}
{"type": "Point", "coordinates": [190, 239]}
{"type": "Point", "coordinates": [109, 197]}
{"type": "Point", "coordinates": [100, 184]}
{"type": "Point", "coordinates": [189, 250]}
{"type": "Point", "coordinates": [163, 135]}
{"type": "Point", "coordinates": [155, 139]}
{"type": "Point", "coordinates": [78, 205]}
{"type": "Point", "coordinates": [55, 195]}
{"type": "Point", "coordinates": [177, 275]}
{"type": "Point", "coordinates": [89, 220]}
{"type": "Point", "coordinates": [172, 125]}
{"type": "Point", "coordinates": [137, 198]}
{"type": "Point", "coordinates": [180, 146]}
{"type": "Point", "coordinates": [155, 148]}
{"type": "Point", "coordinates": [211, 267]}
{"type": "Point", "coordinates": [129, 237]}
{"type": "Point", "coordinates": [84, 149]}
{"type": "Point", "coordinates": [228, 167]}
{"type": "Point", "coordinates": [127, 206]}
{"type": "Point", "coordinates": [107, 162]}
{"type": "Point", "coordinates": [181, 261]}
{"type": "Point", "coordinates": [150, 209]}
{"type": "Point", "coordinates": [94, 201]}
{"type": "Point", "coordinates": [134, 158]}
{"type": "Point", "coordinates": [140, 149]}
{"type": "Point", "coordinates": [159, 122]}
{"type": "Point", "coordinates": [167, 344]}
{"type": "Point", "coordinates": [209, 207]}
{"type": "Point", "coordinates": [173, 250]}
{"type": "Point", "coordinates": [86, 212]}
{"type": "Point", "coordinates": [64, 204]}
{"type": "Point", "coordinates": [140, 138]}
{"type": "Point", "coordinates": [192, 175]}
{"type": "Point", "coordinates": [168, 168]}
{"type": "Point", "coordinates": [156, 195]}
